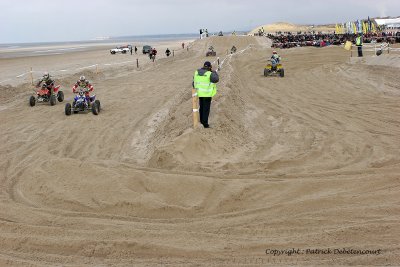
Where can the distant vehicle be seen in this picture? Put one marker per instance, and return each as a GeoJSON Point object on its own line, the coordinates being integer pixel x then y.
{"type": "Point", "coordinates": [121, 49]}
{"type": "Point", "coordinates": [146, 49]}
{"type": "Point", "coordinates": [220, 33]}
{"type": "Point", "coordinates": [211, 52]}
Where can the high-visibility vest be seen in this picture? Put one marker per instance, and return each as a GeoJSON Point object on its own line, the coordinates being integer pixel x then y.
{"type": "Point", "coordinates": [205, 88]}
{"type": "Point", "coordinates": [358, 41]}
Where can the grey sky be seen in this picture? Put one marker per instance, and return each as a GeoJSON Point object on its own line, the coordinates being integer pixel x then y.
{"type": "Point", "coordinates": [69, 20]}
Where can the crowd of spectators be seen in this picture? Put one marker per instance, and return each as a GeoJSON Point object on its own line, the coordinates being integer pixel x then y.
{"type": "Point", "coordinates": [319, 39]}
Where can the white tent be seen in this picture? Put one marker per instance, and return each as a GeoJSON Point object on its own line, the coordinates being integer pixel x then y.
{"type": "Point", "coordinates": [389, 22]}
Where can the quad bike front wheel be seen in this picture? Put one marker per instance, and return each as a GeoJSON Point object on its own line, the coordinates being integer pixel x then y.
{"type": "Point", "coordinates": [98, 104]}
{"type": "Point", "coordinates": [68, 109]}
{"type": "Point", "coordinates": [282, 73]}
{"type": "Point", "coordinates": [96, 107]}
{"type": "Point", "coordinates": [32, 101]}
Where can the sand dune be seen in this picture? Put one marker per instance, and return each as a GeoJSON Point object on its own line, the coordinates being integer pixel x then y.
{"type": "Point", "coordinates": [306, 161]}
{"type": "Point", "coordinates": [290, 27]}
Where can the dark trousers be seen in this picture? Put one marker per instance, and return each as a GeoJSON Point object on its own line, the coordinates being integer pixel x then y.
{"type": "Point", "coordinates": [359, 51]}
{"type": "Point", "coordinates": [204, 110]}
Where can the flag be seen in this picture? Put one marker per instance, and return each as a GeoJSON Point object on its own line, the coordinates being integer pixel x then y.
{"type": "Point", "coordinates": [369, 25]}
{"type": "Point", "coordinates": [347, 45]}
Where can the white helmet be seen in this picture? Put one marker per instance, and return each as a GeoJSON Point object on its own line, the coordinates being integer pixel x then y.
{"type": "Point", "coordinates": [46, 75]}
{"type": "Point", "coordinates": [82, 78]}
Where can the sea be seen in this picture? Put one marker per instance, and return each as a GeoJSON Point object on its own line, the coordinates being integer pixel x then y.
{"type": "Point", "coordinates": [53, 48]}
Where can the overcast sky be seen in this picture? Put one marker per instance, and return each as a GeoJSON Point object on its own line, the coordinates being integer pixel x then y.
{"type": "Point", "coordinates": [72, 20]}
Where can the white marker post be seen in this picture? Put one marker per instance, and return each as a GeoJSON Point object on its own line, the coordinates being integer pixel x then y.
{"type": "Point", "coordinates": [195, 108]}
{"type": "Point", "coordinates": [31, 76]}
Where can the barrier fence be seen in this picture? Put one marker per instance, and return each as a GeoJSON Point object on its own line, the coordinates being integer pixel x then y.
{"type": "Point", "coordinates": [32, 72]}
{"type": "Point", "coordinates": [367, 47]}
{"type": "Point", "coordinates": [375, 47]}
{"type": "Point", "coordinates": [95, 66]}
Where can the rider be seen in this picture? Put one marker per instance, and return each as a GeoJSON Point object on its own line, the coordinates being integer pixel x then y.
{"type": "Point", "coordinates": [46, 80]}
{"type": "Point", "coordinates": [233, 49]}
{"type": "Point", "coordinates": [153, 53]}
{"type": "Point", "coordinates": [85, 84]}
{"type": "Point", "coordinates": [167, 52]}
{"type": "Point", "coordinates": [276, 56]}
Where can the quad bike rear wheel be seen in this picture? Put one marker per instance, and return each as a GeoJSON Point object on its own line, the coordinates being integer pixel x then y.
{"type": "Point", "coordinates": [266, 72]}
{"type": "Point", "coordinates": [53, 100]}
{"type": "Point", "coordinates": [32, 101]}
{"type": "Point", "coordinates": [60, 96]}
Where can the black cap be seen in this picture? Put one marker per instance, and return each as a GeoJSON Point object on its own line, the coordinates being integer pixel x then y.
{"type": "Point", "coordinates": [207, 64]}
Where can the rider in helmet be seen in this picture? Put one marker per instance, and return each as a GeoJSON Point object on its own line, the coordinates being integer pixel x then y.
{"type": "Point", "coordinates": [85, 84]}
{"type": "Point", "coordinates": [46, 80]}
{"type": "Point", "coordinates": [275, 56]}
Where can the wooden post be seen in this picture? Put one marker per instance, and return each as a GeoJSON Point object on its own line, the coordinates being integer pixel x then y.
{"type": "Point", "coordinates": [173, 53]}
{"type": "Point", "coordinates": [97, 69]}
{"type": "Point", "coordinates": [388, 47]}
{"type": "Point", "coordinates": [137, 63]}
{"type": "Point", "coordinates": [195, 108]}
{"type": "Point", "coordinates": [31, 77]}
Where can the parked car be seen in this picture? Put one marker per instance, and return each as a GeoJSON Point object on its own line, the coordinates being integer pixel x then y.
{"type": "Point", "coordinates": [146, 49]}
{"type": "Point", "coordinates": [121, 49]}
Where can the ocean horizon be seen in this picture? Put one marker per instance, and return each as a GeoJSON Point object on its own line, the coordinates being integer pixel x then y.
{"type": "Point", "coordinates": [10, 50]}
{"type": "Point", "coordinates": [107, 39]}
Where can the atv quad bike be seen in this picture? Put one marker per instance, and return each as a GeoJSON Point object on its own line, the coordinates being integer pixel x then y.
{"type": "Point", "coordinates": [83, 104]}
{"type": "Point", "coordinates": [211, 52]}
{"type": "Point", "coordinates": [274, 68]}
{"type": "Point", "coordinates": [44, 95]}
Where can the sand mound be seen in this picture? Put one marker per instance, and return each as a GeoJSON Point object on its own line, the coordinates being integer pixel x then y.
{"type": "Point", "coordinates": [387, 60]}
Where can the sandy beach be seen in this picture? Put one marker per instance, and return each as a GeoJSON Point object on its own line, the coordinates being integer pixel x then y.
{"type": "Point", "coordinates": [309, 161]}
